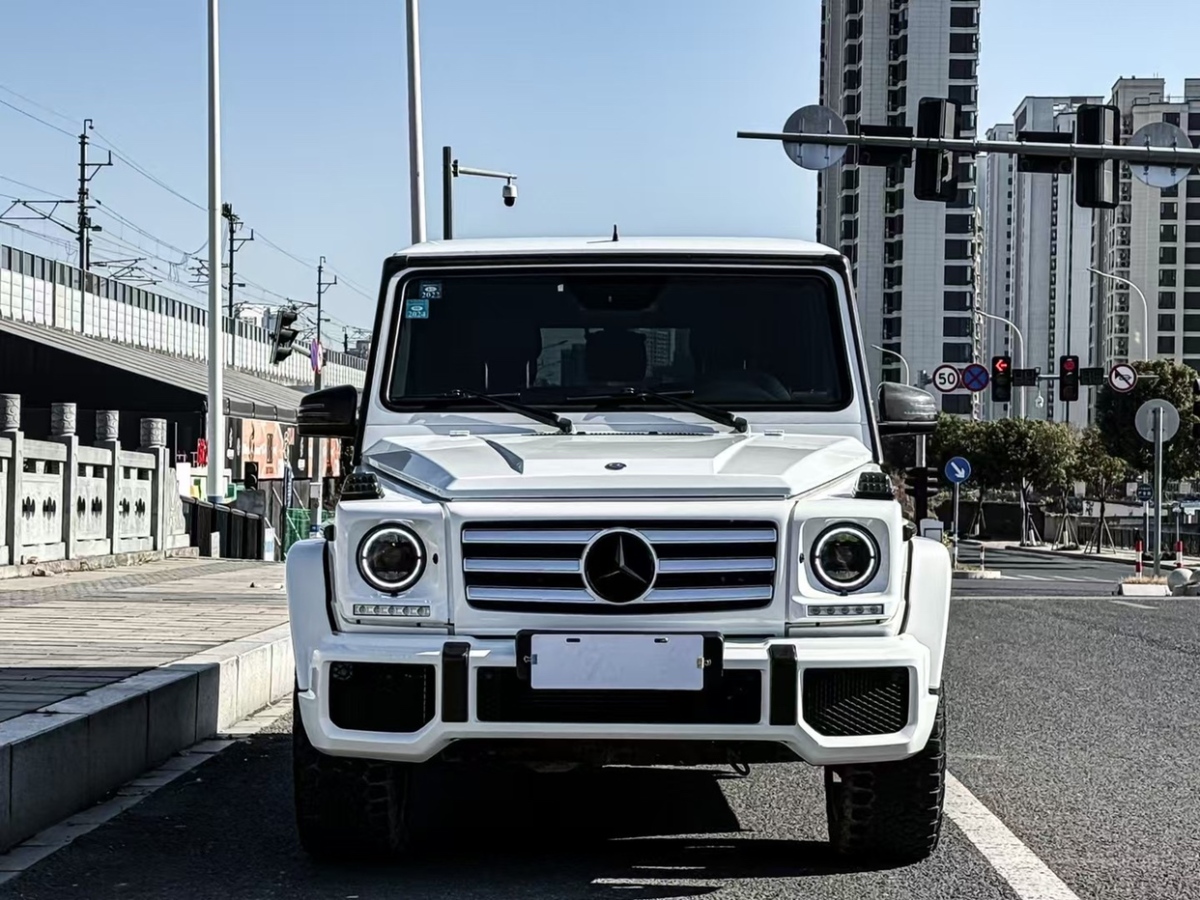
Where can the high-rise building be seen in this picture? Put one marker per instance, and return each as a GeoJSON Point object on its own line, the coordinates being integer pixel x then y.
{"type": "Point", "coordinates": [913, 261]}
{"type": "Point", "coordinates": [1153, 240]}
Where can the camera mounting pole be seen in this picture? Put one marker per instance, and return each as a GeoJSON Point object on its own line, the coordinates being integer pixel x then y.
{"type": "Point", "coordinates": [451, 170]}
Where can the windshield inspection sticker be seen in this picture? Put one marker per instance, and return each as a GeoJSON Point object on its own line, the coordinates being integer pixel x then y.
{"type": "Point", "coordinates": [430, 290]}
{"type": "Point", "coordinates": [416, 309]}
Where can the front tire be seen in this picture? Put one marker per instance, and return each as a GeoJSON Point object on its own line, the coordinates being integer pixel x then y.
{"type": "Point", "coordinates": [890, 812]}
{"type": "Point", "coordinates": [346, 809]}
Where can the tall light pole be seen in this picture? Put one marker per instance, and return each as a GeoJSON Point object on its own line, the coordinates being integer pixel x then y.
{"type": "Point", "coordinates": [416, 151]}
{"type": "Point", "coordinates": [1020, 346]}
{"type": "Point", "coordinates": [903, 361]}
{"type": "Point", "coordinates": [1145, 308]}
{"type": "Point", "coordinates": [216, 393]}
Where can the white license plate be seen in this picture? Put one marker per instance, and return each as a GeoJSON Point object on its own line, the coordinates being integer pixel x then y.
{"type": "Point", "coordinates": [615, 662]}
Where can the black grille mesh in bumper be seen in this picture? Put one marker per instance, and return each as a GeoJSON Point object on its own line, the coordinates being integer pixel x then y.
{"type": "Point", "coordinates": [856, 702]}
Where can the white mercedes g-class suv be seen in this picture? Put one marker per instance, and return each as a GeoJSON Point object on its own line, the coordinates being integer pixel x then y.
{"type": "Point", "coordinates": [618, 502]}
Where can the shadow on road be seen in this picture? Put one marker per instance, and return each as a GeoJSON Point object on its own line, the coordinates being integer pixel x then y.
{"type": "Point", "coordinates": [226, 830]}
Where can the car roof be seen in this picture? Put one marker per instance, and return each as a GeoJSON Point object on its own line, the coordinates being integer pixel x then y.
{"type": "Point", "coordinates": [749, 246]}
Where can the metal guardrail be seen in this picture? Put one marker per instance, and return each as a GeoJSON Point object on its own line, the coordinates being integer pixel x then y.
{"type": "Point", "coordinates": [240, 535]}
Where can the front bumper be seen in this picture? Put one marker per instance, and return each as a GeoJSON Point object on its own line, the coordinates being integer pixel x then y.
{"type": "Point", "coordinates": [469, 689]}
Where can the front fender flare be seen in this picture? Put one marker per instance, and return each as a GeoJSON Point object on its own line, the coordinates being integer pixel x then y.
{"type": "Point", "coordinates": [308, 586]}
{"type": "Point", "coordinates": [930, 578]}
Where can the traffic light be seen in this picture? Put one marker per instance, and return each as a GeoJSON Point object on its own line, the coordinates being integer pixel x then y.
{"type": "Point", "coordinates": [1001, 379]}
{"type": "Point", "coordinates": [1068, 378]}
{"type": "Point", "coordinates": [1097, 181]}
{"type": "Point", "coordinates": [250, 476]}
{"type": "Point", "coordinates": [1196, 409]}
{"type": "Point", "coordinates": [935, 172]}
{"type": "Point", "coordinates": [921, 483]}
{"type": "Point", "coordinates": [284, 335]}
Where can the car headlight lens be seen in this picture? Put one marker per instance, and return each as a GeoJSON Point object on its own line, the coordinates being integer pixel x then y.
{"type": "Point", "coordinates": [391, 559]}
{"type": "Point", "coordinates": [845, 557]}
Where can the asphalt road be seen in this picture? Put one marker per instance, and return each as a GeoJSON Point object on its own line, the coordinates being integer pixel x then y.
{"type": "Point", "coordinates": [1072, 719]}
{"type": "Point", "coordinates": [1041, 574]}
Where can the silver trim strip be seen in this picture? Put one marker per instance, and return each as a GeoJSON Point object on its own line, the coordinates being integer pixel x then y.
{"type": "Point", "coordinates": [703, 566]}
{"type": "Point", "coordinates": [659, 595]}
{"type": "Point", "coordinates": [523, 566]}
{"type": "Point", "coordinates": [654, 535]}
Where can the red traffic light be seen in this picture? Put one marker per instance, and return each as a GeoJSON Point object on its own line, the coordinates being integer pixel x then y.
{"type": "Point", "coordinates": [1069, 364]}
{"type": "Point", "coordinates": [1000, 365]}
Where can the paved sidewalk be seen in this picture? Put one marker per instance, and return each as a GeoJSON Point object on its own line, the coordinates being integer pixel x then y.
{"type": "Point", "coordinates": [65, 635]}
{"type": "Point", "coordinates": [106, 674]}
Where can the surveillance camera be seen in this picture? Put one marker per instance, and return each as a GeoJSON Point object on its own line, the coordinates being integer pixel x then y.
{"type": "Point", "coordinates": [510, 194]}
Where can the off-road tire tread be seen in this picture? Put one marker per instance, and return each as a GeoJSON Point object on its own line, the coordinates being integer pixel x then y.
{"type": "Point", "coordinates": [890, 812]}
{"type": "Point", "coordinates": [346, 809]}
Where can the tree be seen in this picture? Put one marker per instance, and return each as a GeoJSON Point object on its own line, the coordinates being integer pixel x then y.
{"type": "Point", "coordinates": [1032, 454]}
{"type": "Point", "coordinates": [1157, 379]}
{"type": "Point", "coordinates": [970, 439]}
{"type": "Point", "coordinates": [1098, 470]}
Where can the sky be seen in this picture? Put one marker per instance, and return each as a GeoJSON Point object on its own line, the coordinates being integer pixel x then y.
{"type": "Point", "coordinates": [623, 112]}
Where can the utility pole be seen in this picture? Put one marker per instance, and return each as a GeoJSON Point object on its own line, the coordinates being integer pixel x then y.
{"type": "Point", "coordinates": [216, 387]}
{"type": "Point", "coordinates": [87, 171]}
{"type": "Point", "coordinates": [235, 244]}
{"type": "Point", "coordinates": [321, 285]}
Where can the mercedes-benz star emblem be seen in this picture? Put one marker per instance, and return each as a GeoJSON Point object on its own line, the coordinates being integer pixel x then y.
{"type": "Point", "coordinates": [619, 566]}
{"type": "Point", "coordinates": [616, 467]}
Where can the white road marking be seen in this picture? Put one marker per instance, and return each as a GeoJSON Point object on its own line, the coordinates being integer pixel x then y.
{"type": "Point", "coordinates": [54, 838]}
{"type": "Point", "coordinates": [1028, 876]}
{"type": "Point", "coordinates": [1134, 605]}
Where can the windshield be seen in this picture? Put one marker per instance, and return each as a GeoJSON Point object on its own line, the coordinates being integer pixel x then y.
{"type": "Point", "coordinates": [744, 340]}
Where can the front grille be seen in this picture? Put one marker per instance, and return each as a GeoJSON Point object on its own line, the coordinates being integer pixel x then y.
{"type": "Point", "coordinates": [539, 566]}
{"type": "Point", "coordinates": [395, 698]}
{"type": "Point", "coordinates": [856, 702]}
{"type": "Point", "coordinates": [735, 699]}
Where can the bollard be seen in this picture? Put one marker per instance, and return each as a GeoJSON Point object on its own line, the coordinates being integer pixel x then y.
{"type": "Point", "coordinates": [1137, 567]}
{"type": "Point", "coordinates": [108, 425]}
{"type": "Point", "coordinates": [10, 412]}
{"type": "Point", "coordinates": [62, 419]}
{"type": "Point", "coordinates": [1179, 554]}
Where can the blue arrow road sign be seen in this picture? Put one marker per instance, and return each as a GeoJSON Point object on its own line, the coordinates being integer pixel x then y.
{"type": "Point", "coordinates": [958, 470]}
{"type": "Point", "coordinates": [975, 377]}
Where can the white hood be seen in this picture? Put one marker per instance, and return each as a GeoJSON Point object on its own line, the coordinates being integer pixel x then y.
{"type": "Point", "coordinates": [612, 466]}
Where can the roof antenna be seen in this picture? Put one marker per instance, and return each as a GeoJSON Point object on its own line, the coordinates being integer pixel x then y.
{"type": "Point", "coordinates": [616, 237]}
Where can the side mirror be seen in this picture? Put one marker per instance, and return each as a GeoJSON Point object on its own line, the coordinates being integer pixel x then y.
{"type": "Point", "coordinates": [329, 413]}
{"type": "Point", "coordinates": [904, 409]}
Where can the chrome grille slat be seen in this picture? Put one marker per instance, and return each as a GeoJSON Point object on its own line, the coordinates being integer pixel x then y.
{"type": "Point", "coordinates": [538, 566]}
{"type": "Point", "coordinates": [530, 566]}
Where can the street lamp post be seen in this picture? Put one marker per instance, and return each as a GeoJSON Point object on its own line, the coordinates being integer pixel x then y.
{"type": "Point", "coordinates": [451, 170]}
{"type": "Point", "coordinates": [903, 361]}
{"type": "Point", "coordinates": [416, 151]}
{"type": "Point", "coordinates": [1145, 308]}
{"type": "Point", "coordinates": [1020, 345]}
{"type": "Point", "coordinates": [216, 400]}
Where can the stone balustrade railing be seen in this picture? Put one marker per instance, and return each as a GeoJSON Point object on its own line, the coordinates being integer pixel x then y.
{"type": "Point", "coordinates": [60, 499]}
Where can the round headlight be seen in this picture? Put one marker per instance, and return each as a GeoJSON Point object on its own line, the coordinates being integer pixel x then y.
{"type": "Point", "coordinates": [845, 557]}
{"type": "Point", "coordinates": [391, 559]}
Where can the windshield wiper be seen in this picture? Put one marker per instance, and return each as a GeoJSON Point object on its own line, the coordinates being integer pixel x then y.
{"type": "Point", "coordinates": [545, 416]}
{"type": "Point", "coordinates": [716, 414]}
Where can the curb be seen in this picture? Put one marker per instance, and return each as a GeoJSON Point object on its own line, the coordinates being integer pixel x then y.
{"type": "Point", "coordinates": [1068, 554]}
{"type": "Point", "coordinates": [985, 575]}
{"type": "Point", "coordinates": [91, 563]}
{"type": "Point", "coordinates": [62, 759]}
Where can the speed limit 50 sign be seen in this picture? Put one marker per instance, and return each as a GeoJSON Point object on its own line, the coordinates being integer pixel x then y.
{"type": "Point", "coordinates": [946, 378]}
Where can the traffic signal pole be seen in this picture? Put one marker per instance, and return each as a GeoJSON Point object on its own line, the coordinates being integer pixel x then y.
{"type": "Point", "coordinates": [1171, 157]}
